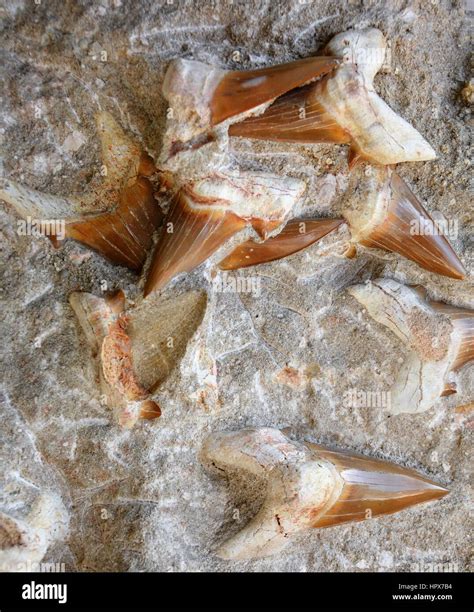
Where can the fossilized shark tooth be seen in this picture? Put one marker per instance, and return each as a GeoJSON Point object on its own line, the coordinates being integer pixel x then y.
{"type": "Point", "coordinates": [201, 96]}
{"type": "Point", "coordinates": [343, 107]}
{"type": "Point", "coordinates": [385, 214]}
{"type": "Point", "coordinates": [137, 348]}
{"type": "Point", "coordinates": [207, 212]}
{"type": "Point", "coordinates": [295, 236]}
{"type": "Point", "coordinates": [117, 219]}
{"type": "Point", "coordinates": [440, 339]}
{"type": "Point", "coordinates": [307, 486]}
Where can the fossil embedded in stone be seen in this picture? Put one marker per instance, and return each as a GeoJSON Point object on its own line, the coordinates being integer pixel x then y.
{"type": "Point", "coordinates": [307, 486]}
{"type": "Point", "coordinates": [295, 236]}
{"type": "Point", "coordinates": [385, 214]}
{"type": "Point", "coordinates": [118, 218]}
{"type": "Point", "coordinates": [202, 96]}
{"type": "Point", "coordinates": [439, 338]}
{"type": "Point", "coordinates": [207, 212]}
{"type": "Point", "coordinates": [137, 348]}
{"type": "Point", "coordinates": [343, 107]}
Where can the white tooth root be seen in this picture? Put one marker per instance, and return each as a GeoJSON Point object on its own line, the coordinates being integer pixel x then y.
{"type": "Point", "coordinates": [439, 339]}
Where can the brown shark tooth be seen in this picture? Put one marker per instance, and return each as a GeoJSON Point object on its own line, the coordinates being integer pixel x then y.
{"type": "Point", "coordinates": [241, 91]}
{"type": "Point", "coordinates": [203, 96]}
{"type": "Point", "coordinates": [117, 219]}
{"type": "Point", "coordinates": [308, 486]}
{"type": "Point", "coordinates": [295, 236]}
{"type": "Point", "coordinates": [439, 339]}
{"type": "Point", "coordinates": [137, 348]}
{"type": "Point", "coordinates": [295, 117]}
{"type": "Point", "coordinates": [392, 218]}
{"type": "Point", "coordinates": [207, 212]}
{"type": "Point", "coordinates": [343, 107]}
{"type": "Point", "coordinates": [373, 487]}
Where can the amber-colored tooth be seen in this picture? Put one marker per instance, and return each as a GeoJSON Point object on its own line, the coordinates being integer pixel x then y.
{"type": "Point", "coordinates": [240, 91]}
{"type": "Point", "coordinates": [400, 224]}
{"type": "Point", "coordinates": [295, 117]}
{"type": "Point", "coordinates": [343, 107]}
{"type": "Point", "coordinates": [191, 233]}
{"type": "Point", "coordinates": [295, 236]}
{"type": "Point", "coordinates": [125, 235]}
{"type": "Point", "coordinates": [308, 486]}
{"type": "Point", "coordinates": [373, 487]}
{"type": "Point", "coordinates": [207, 212]}
{"type": "Point", "coordinates": [118, 218]}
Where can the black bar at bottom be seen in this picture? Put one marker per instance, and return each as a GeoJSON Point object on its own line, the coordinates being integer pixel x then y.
{"type": "Point", "coordinates": [244, 591]}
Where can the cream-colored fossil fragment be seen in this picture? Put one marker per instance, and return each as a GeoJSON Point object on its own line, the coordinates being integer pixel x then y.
{"type": "Point", "coordinates": [343, 107]}
{"type": "Point", "coordinates": [207, 212]}
{"type": "Point", "coordinates": [116, 218]}
{"type": "Point", "coordinates": [383, 213]}
{"type": "Point", "coordinates": [308, 486]}
{"type": "Point", "coordinates": [23, 543]}
{"type": "Point", "coordinates": [439, 339]}
{"type": "Point", "coordinates": [136, 348]}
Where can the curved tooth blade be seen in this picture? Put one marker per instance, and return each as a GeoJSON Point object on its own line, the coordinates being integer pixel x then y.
{"type": "Point", "coordinates": [295, 117]}
{"type": "Point", "coordinates": [373, 487]}
{"type": "Point", "coordinates": [240, 91]}
{"type": "Point", "coordinates": [295, 236]}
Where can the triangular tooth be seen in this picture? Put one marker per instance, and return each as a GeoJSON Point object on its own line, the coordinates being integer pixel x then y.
{"type": "Point", "coordinates": [118, 219]}
{"type": "Point", "coordinates": [241, 91]}
{"type": "Point", "coordinates": [308, 486]}
{"type": "Point", "coordinates": [449, 389]}
{"type": "Point", "coordinates": [343, 107]}
{"type": "Point", "coordinates": [136, 349]}
{"type": "Point", "coordinates": [190, 235]}
{"type": "Point", "coordinates": [295, 236]}
{"type": "Point", "coordinates": [373, 487]}
{"type": "Point", "coordinates": [149, 410]}
{"type": "Point", "coordinates": [295, 117]}
{"type": "Point", "coordinates": [395, 220]}
{"type": "Point", "coordinates": [206, 213]}
{"type": "Point", "coordinates": [125, 235]}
